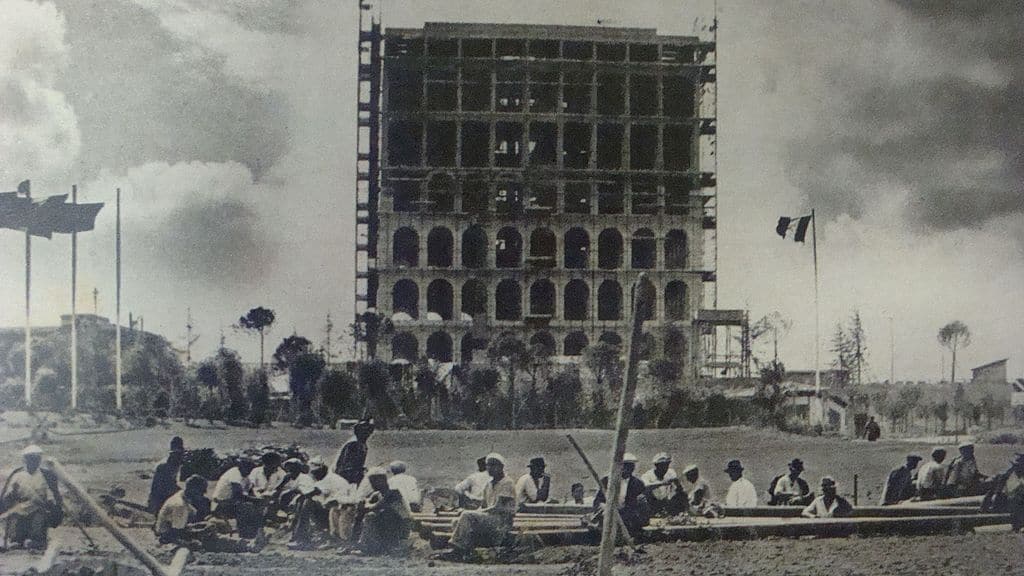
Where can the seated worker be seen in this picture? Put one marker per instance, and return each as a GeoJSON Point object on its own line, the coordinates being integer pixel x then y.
{"type": "Point", "coordinates": [579, 495]}
{"type": "Point", "coordinates": [296, 480]}
{"type": "Point", "coordinates": [406, 484]}
{"type": "Point", "coordinates": [633, 506]}
{"type": "Point", "coordinates": [963, 477]}
{"type": "Point", "coordinates": [490, 525]}
{"type": "Point", "coordinates": [165, 477]}
{"type": "Point", "coordinates": [181, 522]}
{"type": "Point", "coordinates": [233, 499]}
{"type": "Point", "coordinates": [31, 502]}
{"type": "Point", "coordinates": [534, 487]}
{"type": "Point", "coordinates": [1006, 493]}
{"type": "Point", "coordinates": [742, 493]}
{"type": "Point", "coordinates": [386, 517]}
{"type": "Point", "coordinates": [790, 489]}
{"type": "Point", "coordinates": [665, 492]}
{"type": "Point", "coordinates": [266, 479]}
{"type": "Point", "coordinates": [901, 485]}
{"type": "Point", "coordinates": [471, 490]}
{"type": "Point", "coordinates": [829, 504]}
{"type": "Point", "coordinates": [931, 478]}
{"type": "Point", "coordinates": [315, 505]}
{"type": "Point", "coordinates": [699, 492]}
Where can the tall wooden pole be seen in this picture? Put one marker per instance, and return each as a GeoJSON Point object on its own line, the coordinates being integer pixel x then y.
{"type": "Point", "coordinates": [117, 308]}
{"type": "Point", "coordinates": [817, 324]}
{"type": "Point", "coordinates": [604, 566]}
{"type": "Point", "coordinates": [28, 311]}
{"type": "Point", "coordinates": [74, 309]}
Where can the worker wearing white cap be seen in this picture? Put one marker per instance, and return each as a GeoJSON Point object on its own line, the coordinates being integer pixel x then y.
{"type": "Point", "coordinates": [490, 525]}
{"type": "Point", "coordinates": [664, 491]}
{"type": "Point", "coordinates": [633, 503]}
{"type": "Point", "coordinates": [963, 477]}
{"type": "Point", "coordinates": [697, 489]}
{"type": "Point", "coordinates": [32, 502]}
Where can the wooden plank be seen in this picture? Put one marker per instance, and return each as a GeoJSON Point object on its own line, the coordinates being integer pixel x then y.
{"type": "Point", "coordinates": [962, 501]}
{"type": "Point", "coordinates": [858, 512]}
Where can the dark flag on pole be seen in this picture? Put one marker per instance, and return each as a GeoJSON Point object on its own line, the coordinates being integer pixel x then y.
{"type": "Point", "coordinates": [799, 224]}
{"type": "Point", "coordinates": [14, 210]}
{"type": "Point", "coordinates": [76, 218]}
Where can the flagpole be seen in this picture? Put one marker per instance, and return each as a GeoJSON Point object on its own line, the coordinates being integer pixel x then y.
{"type": "Point", "coordinates": [28, 315]}
{"type": "Point", "coordinates": [117, 307]}
{"type": "Point", "coordinates": [817, 315]}
{"type": "Point", "coordinates": [74, 310]}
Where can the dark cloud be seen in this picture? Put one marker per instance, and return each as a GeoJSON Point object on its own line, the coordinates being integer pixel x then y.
{"type": "Point", "coordinates": [215, 242]}
{"type": "Point", "coordinates": [952, 136]}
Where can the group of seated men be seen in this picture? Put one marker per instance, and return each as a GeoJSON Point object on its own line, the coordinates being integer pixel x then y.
{"type": "Point", "coordinates": [934, 480]}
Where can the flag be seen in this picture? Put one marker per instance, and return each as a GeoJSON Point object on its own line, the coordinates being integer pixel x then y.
{"type": "Point", "coordinates": [800, 224]}
{"type": "Point", "coordinates": [45, 215]}
{"type": "Point", "coordinates": [76, 218]}
{"type": "Point", "coordinates": [14, 210]}
{"type": "Point", "coordinates": [24, 187]}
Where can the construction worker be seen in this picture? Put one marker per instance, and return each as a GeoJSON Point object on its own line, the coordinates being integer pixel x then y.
{"type": "Point", "coordinates": [165, 477]}
{"type": "Point", "coordinates": [351, 461]}
{"type": "Point", "coordinates": [1006, 493]}
{"type": "Point", "coordinates": [790, 489]}
{"type": "Point", "coordinates": [471, 489]}
{"type": "Point", "coordinates": [386, 517]}
{"type": "Point", "coordinates": [962, 476]}
{"type": "Point", "coordinates": [31, 502]}
{"type": "Point", "coordinates": [182, 521]}
{"type": "Point", "coordinates": [665, 492]}
{"type": "Point", "coordinates": [490, 525]}
{"type": "Point", "coordinates": [698, 491]}
{"type": "Point", "coordinates": [742, 493]}
{"type": "Point", "coordinates": [405, 483]}
{"type": "Point", "coordinates": [233, 499]}
{"type": "Point", "coordinates": [931, 478]}
{"type": "Point", "coordinates": [830, 504]}
{"type": "Point", "coordinates": [633, 505]}
{"type": "Point", "coordinates": [316, 505]}
{"type": "Point", "coordinates": [266, 479]}
{"type": "Point", "coordinates": [534, 487]}
{"type": "Point", "coordinates": [901, 484]}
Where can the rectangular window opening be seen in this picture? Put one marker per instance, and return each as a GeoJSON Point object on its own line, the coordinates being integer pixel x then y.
{"type": "Point", "coordinates": [678, 146]}
{"type": "Point", "coordinates": [508, 140]}
{"type": "Point", "coordinates": [643, 95]}
{"type": "Point", "coordinates": [576, 145]}
{"type": "Point", "coordinates": [441, 144]}
{"type": "Point", "coordinates": [543, 143]}
{"type": "Point", "coordinates": [611, 94]}
{"type": "Point", "coordinates": [577, 198]}
{"type": "Point", "coordinates": [404, 147]}
{"type": "Point", "coordinates": [476, 141]}
{"type": "Point", "coordinates": [609, 146]}
{"type": "Point", "coordinates": [643, 144]}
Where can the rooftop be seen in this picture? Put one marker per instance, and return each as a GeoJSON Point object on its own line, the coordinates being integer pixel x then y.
{"type": "Point", "coordinates": [541, 31]}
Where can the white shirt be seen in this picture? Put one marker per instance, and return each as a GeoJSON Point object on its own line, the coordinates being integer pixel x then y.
{"type": "Point", "coordinates": [474, 484]}
{"type": "Point", "coordinates": [666, 492]}
{"type": "Point", "coordinates": [334, 488]}
{"type": "Point", "coordinates": [406, 484]}
{"type": "Point", "coordinates": [232, 477]}
{"type": "Point", "coordinates": [174, 514]}
{"type": "Point", "coordinates": [693, 487]}
{"type": "Point", "coordinates": [262, 485]}
{"type": "Point", "coordinates": [818, 509]}
{"type": "Point", "coordinates": [741, 494]}
{"type": "Point", "coordinates": [527, 489]}
{"type": "Point", "coordinates": [931, 475]}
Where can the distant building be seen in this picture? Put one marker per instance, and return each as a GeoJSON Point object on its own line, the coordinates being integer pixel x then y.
{"type": "Point", "coordinates": [991, 373]}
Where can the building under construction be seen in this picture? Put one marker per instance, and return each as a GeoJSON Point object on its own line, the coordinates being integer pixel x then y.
{"type": "Point", "coordinates": [517, 179]}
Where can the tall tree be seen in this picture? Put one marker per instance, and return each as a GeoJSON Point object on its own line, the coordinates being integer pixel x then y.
{"type": "Point", "coordinates": [257, 320]}
{"type": "Point", "coordinates": [288, 350]}
{"type": "Point", "coordinates": [841, 348]}
{"type": "Point", "coordinates": [510, 354]}
{"type": "Point", "coordinates": [858, 346]}
{"type": "Point", "coordinates": [954, 336]}
{"type": "Point", "coordinates": [604, 360]}
{"type": "Point", "coordinates": [773, 324]}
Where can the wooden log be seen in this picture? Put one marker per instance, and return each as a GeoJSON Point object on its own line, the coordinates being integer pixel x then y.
{"type": "Point", "coordinates": [962, 501]}
{"type": "Point", "coordinates": [858, 512]}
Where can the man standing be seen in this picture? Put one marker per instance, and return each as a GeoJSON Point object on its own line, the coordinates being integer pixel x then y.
{"type": "Point", "coordinates": [165, 477]}
{"type": "Point", "coordinates": [490, 525]}
{"type": "Point", "coordinates": [351, 461]}
{"type": "Point", "coordinates": [665, 492]}
{"type": "Point", "coordinates": [386, 518]}
{"type": "Point", "coordinates": [534, 487]}
{"type": "Point", "coordinates": [790, 489]}
{"type": "Point", "coordinates": [471, 490]}
{"type": "Point", "coordinates": [963, 477]}
{"type": "Point", "coordinates": [742, 493]}
{"type": "Point", "coordinates": [633, 506]}
{"type": "Point", "coordinates": [932, 476]}
{"type": "Point", "coordinates": [830, 504]}
{"type": "Point", "coordinates": [31, 501]}
{"type": "Point", "coordinates": [405, 483]}
{"type": "Point", "coordinates": [872, 431]}
{"type": "Point", "coordinates": [902, 482]}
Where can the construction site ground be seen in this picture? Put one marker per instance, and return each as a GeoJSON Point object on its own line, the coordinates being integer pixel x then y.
{"type": "Point", "coordinates": [121, 458]}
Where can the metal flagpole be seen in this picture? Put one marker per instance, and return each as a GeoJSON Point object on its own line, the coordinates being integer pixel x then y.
{"type": "Point", "coordinates": [117, 308]}
{"type": "Point", "coordinates": [28, 316]}
{"type": "Point", "coordinates": [817, 318]}
{"type": "Point", "coordinates": [74, 310]}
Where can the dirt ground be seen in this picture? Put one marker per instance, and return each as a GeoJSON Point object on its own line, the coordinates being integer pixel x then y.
{"type": "Point", "coordinates": [442, 458]}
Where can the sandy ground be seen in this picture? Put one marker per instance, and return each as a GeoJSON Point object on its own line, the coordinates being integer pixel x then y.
{"type": "Point", "coordinates": [442, 458]}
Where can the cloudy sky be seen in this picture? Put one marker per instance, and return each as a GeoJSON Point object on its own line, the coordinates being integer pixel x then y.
{"type": "Point", "coordinates": [229, 124]}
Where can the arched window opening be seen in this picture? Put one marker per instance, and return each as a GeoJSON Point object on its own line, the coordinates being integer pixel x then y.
{"type": "Point", "coordinates": [609, 249]}
{"type": "Point", "coordinates": [474, 247]}
{"type": "Point", "coordinates": [508, 300]}
{"type": "Point", "coordinates": [542, 248]}
{"type": "Point", "coordinates": [576, 300]}
{"type": "Point", "coordinates": [509, 248]}
{"type": "Point", "coordinates": [542, 298]}
{"type": "Point", "coordinates": [575, 343]}
{"type": "Point", "coordinates": [404, 346]}
{"type": "Point", "coordinates": [405, 298]}
{"type": "Point", "coordinates": [405, 248]}
{"type": "Point", "coordinates": [440, 246]}
{"type": "Point", "coordinates": [577, 248]}
{"type": "Point", "coordinates": [545, 342]}
{"type": "Point", "coordinates": [439, 299]}
{"type": "Point", "coordinates": [675, 250]}
{"type": "Point", "coordinates": [609, 301]}
{"type": "Point", "coordinates": [474, 298]}
{"type": "Point", "coordinates": [649, 299]}
{"type": "Point", "coordinates": [675, 345]}
{"type": "Point", "coordinates": [643, 247]}
{"type": "Point", "coordinates": [439, 347]}
{"type": "Point", "coordinates": [675, 300]}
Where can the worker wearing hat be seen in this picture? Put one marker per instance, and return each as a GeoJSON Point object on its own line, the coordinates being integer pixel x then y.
{"type": "Point", "coordinates": [790, 489]}
{"type": "Point", "coordinates": [634, 507]}
{"type": "Point", "coordinates": [742, 493]}
{"type": "Point", "coordinates": [962, 476]}
{"type": "Point", "coordinates": [490, 525]}
{"type": "Point", "coordinates": [830, 504]}
{"type": "Point", "coordinates": [386, 519]}
{"type": "Point", "coordinates": [351, 461]}
{"type": "Point", "coordinates": [697, 490]}
{"type": "Point", "coordinates": [1006, 493]}
{"type": "Point", "coordinates": [901, 485]}
{"type": "Point", "coordinates": [665, 493]}
{"type": "Point", "coordinates": [534, 487]}
{"type": "Point", "coordinates": [31, 501]}
{"type": "Point", "coordinates": [931, 478]}
{"type": "Point", "coordinates": [165, 478]}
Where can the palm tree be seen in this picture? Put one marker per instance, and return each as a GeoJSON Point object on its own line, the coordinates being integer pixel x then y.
{"type": "Point", "coordinates": [953, 336]}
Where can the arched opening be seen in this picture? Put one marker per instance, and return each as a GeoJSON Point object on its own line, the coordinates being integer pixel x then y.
{"type": "Point", "coordinates": [675, 250]}
{"type": "Point", "coordinates": [441, 193]}
{"type": "Point", "coordinates": [575, 343]}
{"type": "Point", "coordinates": [542, 248]}
{"type": "Point", "coordinates": [611, 338]}
{"type": "Point", "coordinates": [440, 246]}
{"type": "Point", "coordinates": [474, 298]}
{"type": "Point", "coordinates": [468, 345]}
{"type": "Point", "coordinates": [576, 300]}
{"type": "Point", "coordinates": [675, 345]}
{"type": "Point", "coordinates": [542, 298]}
{"type": "Point", "coordinates": [474, 247]}
{"type": "Point", "coordinates": [646, 346]}
{"type": "Point", "coordinates": [509, 248]}
{"type": "Point", "coordinates": [609, 301]}
{"type": "Point", "coordinates": [643, 248]}
{"type": "Point", "coordinates": [577, 248]}
{"type": "Point", "coordinates": [675, 300]}
{"type": "Point", "coordinates": [405, 248]}
{"type": "Point", "coordinates": [609, 249]}
{"type": "Point", "coordinates": [544, 342]}
{"type": "Point", "coordinates": [404, 346]}
{"type": "Point", "coordinates": [508, 300]}
{"type": "Point", "coordinates": [439, 347]}
{"type": "Point", "coordinates": [439, 299]}
{"type": "Point", "coordinates": [405, 297]}
{"type": "Point", "coordinates": [649, 300]}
